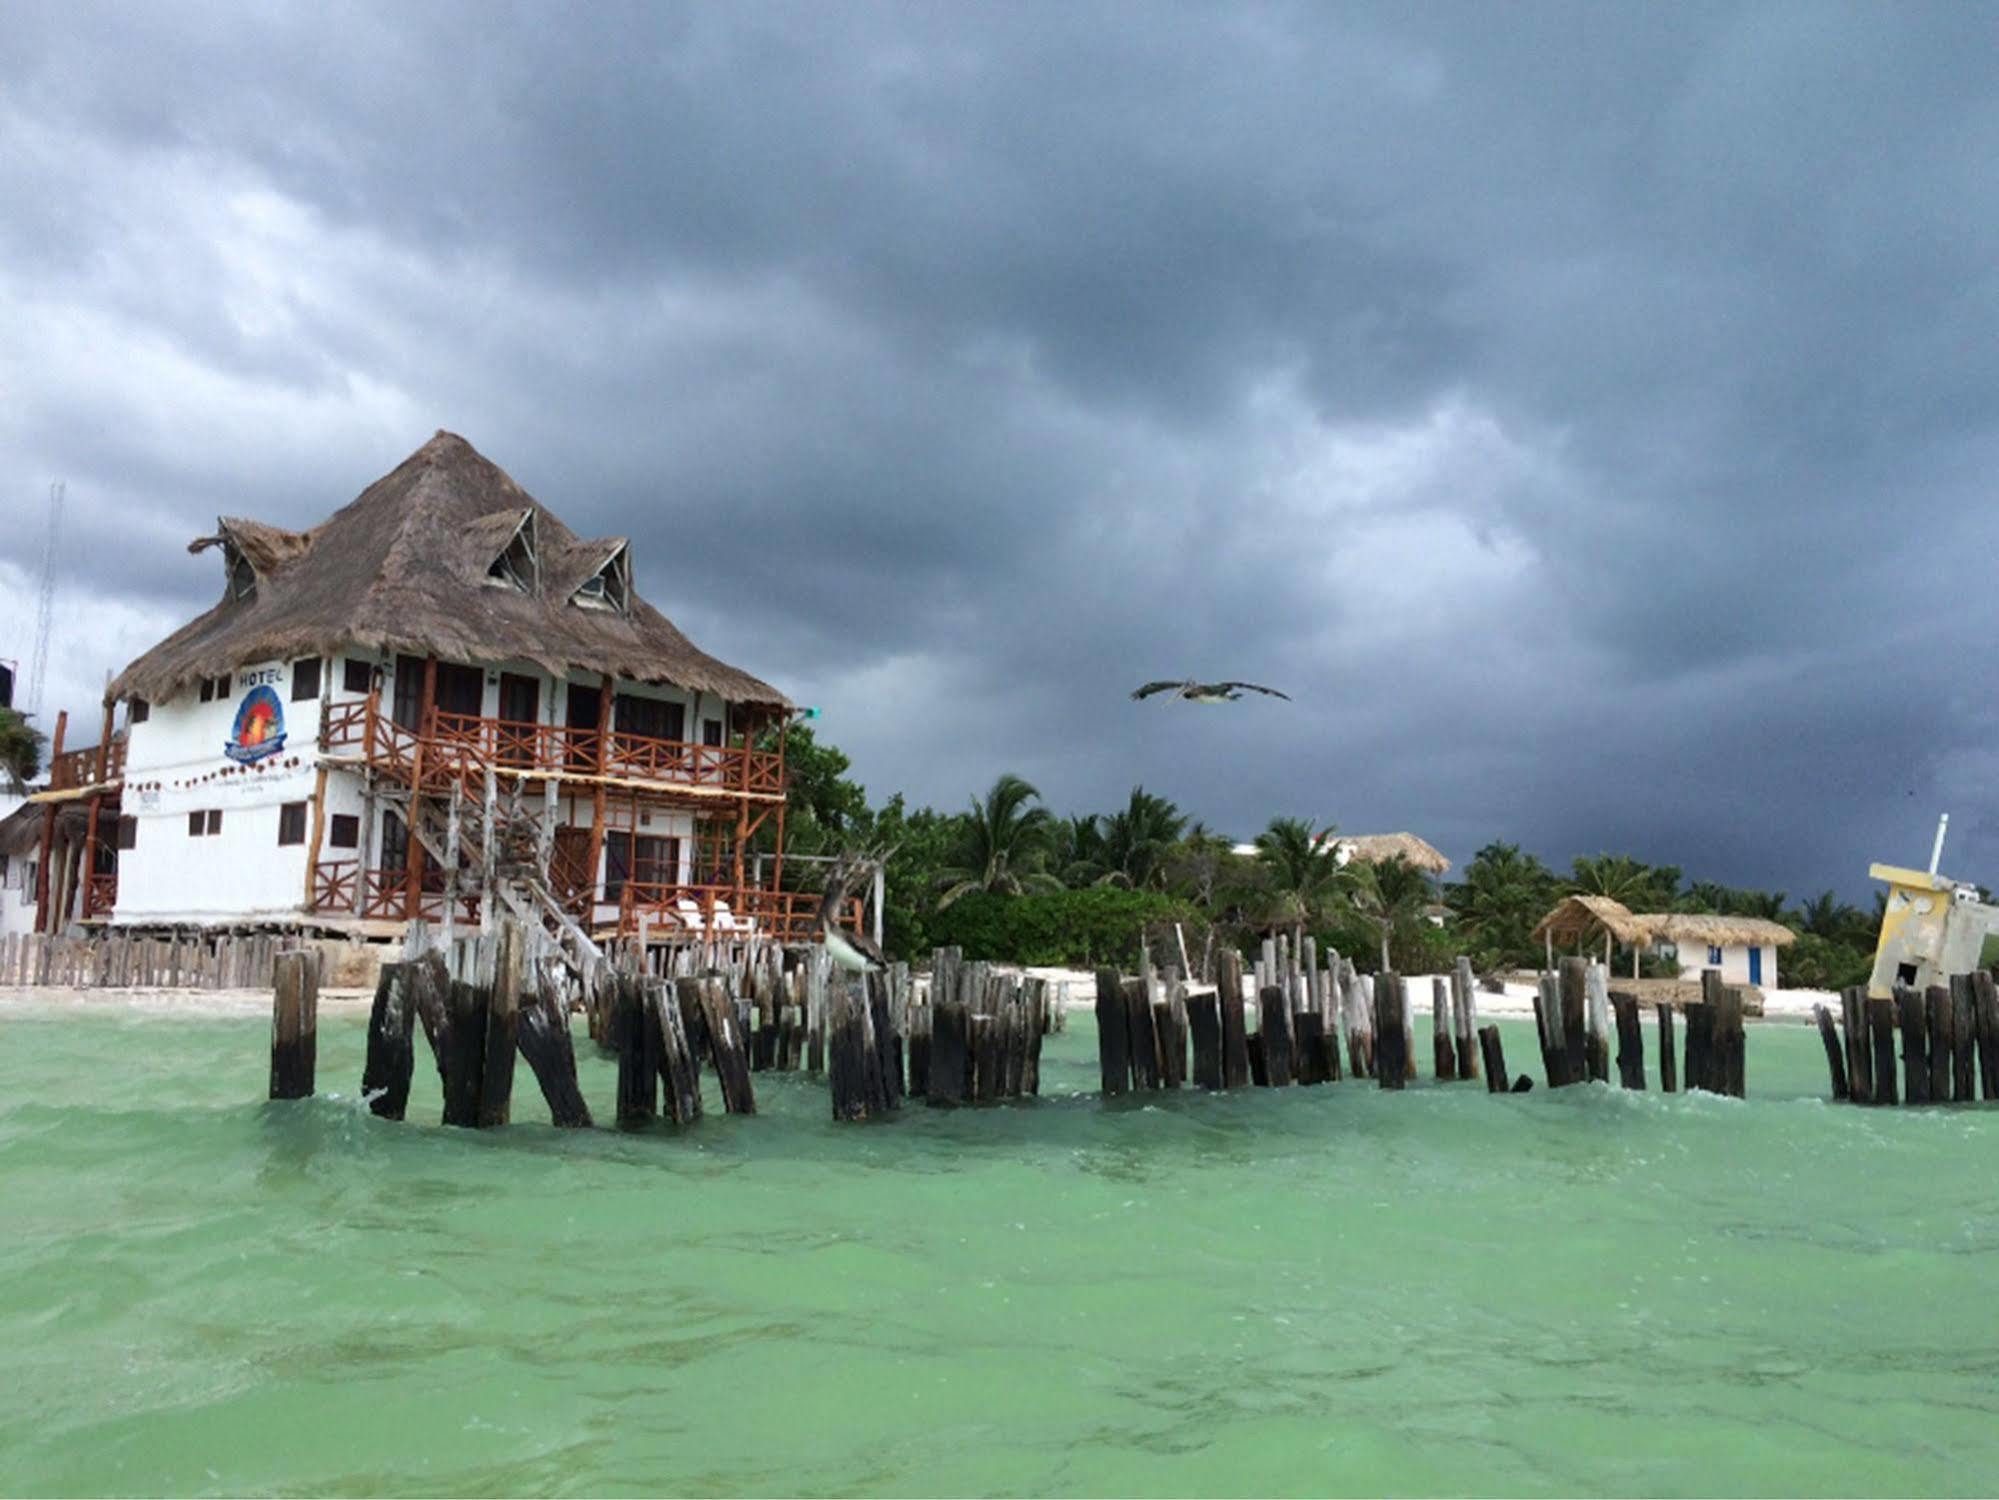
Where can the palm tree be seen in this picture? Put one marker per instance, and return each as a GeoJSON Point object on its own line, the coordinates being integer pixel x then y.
{"type": "Point", "coordinates": [1001, 843]}
{"type": "Point", "coordinates": [20, 750]}
{"type": "Point", "coordinates": [1630, 882]}
{"type": "Point", "coordinates": [1302, 873]}
{"type": "Point", "coordinates": [1392, 894]}
{"type": "Point", "coordinates": [1502, 895]}
{"type": "Point", "coordinates": [1076, 849]}
{"type": "Point", "coordinates": [1826, 916]}
{"type": "Point", "coordinates": [1137, 839]}
{"type": "Point", "coordinates": [1703, 896]}
{"type": "Point", "coordinates": [1199, 862]}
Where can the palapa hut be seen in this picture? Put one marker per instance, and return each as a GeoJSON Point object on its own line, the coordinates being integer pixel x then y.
{"type": "Point", "coordinates": [1577, 921]}
{"type": "Point", "coordinates": [437, 699]}
{"type": "Point", "coordinates": [1377, 848]}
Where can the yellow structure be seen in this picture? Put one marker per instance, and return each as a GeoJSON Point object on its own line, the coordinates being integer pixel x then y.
{"type": "Point", "coordinates": [1933, 927]}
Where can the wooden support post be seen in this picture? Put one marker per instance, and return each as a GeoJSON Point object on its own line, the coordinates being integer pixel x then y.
{"type": "Point", "coordinates": [726, 1049]}
{"type": "Point", "coordinates": [1859, 1056]}
{"type": "Point", "coordinates": [950, 1033]}
{"type": "Point", "coordinates": [1939, 1028]}
{"type": "Point", "coordinates": [638, 1063]}
{"type": "Point", "coordinates": [1574, 988]}
{"type": "Point", "coordinates": [1548, 1030]}
{"type": "Point", "coordinates": [1964, 1039]}
{"type": "Point", "coordinates": [294, 1024]}
{"type": "Point", "coordinates": [426, 728]}
{"type": "Point", "coordinates": [1391, 1031]}
{"type": "Point", "coordinates": [1204, 1023]}
{"type": "Point", "coordinates": [1464, 1015]}
{"type": "Point", "coordinates": [1235, 1038]}
{"type": "Point", "coordinates": [1142, 1037]}
{"type": "Point", "coordinates": [1496, 1081]}
{"type": "Point", "coordinates": [1630, 1040]}
{"type": "Point", "coordinates": [465, 1060]}
{"type": "Point", "coordinates": [1985, 1005]}
{"type": "Point", "coordinates": [1834, 1056]}
{"type": "Point", "coordinates": [385, 1080]}
{"type": "Point", "coordinates": [1881, 1028]}
{"type": "Point", "coordinates": [315, 839]}
{"type": "Point", "coordinates": [1700, 1047]}
{"type": "Point", "coordinates": [1273, 1024]}
{"type": "Point", "coordinates": [1913, 1014]}
{"type": "Point", "coordinates": [593, 859]}
{"type": "Point", "coordinates": [845, 1069]}
{"type": "Point", "coordinates": [1725, 1000]}
{"type": "Point", "coordinates": [1596, 1022]}
{"type": "Point", "coordinates": [89, 851]}
{"type": "Point", "coordinates": [1443, 1044]}
{"type": "Point", "coordinates": [545, 1042]}
{"type": "Point", "coordinates": [887, 1043]}
{"type": "Point", "coordinates": [503, 1007]}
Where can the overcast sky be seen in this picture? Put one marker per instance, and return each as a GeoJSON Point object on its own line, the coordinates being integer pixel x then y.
{"type": "Point", "coordinates": [1589, 414]}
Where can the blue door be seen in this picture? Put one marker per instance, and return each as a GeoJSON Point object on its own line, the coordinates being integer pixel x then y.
{"type": "Point", "coordinates": [1755, 965]}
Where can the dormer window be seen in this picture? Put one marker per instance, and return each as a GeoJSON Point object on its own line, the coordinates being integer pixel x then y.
{"type": "Point", "coordinates": [242, 577]}
{"type": "Point", "coordinates": [519, 564]}
{"type": "Point", "coordinates": [610, 587]}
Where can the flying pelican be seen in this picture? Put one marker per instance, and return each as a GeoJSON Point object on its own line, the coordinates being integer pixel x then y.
{"type": "Point", "coordinates": [852, 951]}
{"type": "Point", "coordinates": [1207, 692]}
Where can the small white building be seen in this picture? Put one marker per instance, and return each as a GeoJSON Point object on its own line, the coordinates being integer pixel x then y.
{"type": "Point", "coordinates": [1743, 948]}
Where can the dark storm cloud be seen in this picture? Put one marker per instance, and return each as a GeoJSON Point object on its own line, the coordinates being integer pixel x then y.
{"type": "Point", "coordinates": [1586, 411]}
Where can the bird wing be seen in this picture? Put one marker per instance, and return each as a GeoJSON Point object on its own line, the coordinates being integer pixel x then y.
{"type": "Point", "coordinates": [1256, 687]}
{"type": "Point", "coordinates": [1157, 687]}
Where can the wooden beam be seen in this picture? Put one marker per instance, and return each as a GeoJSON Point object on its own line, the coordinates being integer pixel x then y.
{"type": "Point", "coordinates": [42, 869]}
{"type": "Point", "coordinates": [413, 863]}
{"type": "Point", "coordinates": [318, 833]}
{"type": "Point", "coordinates": [593, 861]}
{"type": "Point", "coordinates": [89, 851]}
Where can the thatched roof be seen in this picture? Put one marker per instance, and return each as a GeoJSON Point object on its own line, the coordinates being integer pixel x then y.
{"type": "Point", "coordinates": [403, 568]}
{"type": "Point", "coordinates": [1722, 932]}
{"type": "Point", "coordinates": [1578, 917]}
{"type": "Point", "coordinates": [1375, 848]}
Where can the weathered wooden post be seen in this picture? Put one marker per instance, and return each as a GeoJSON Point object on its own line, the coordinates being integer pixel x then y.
{"type": "Point", "coordinates": [1914, 1016]}
{"type": "Point", "coordinates": [1835, 1057]}
{"type": "Point", "coordinates": [1548, 1030]}
{"type": "Point", "coordinates": [1630, 1040]}
{"type": "Point", "coordinates": [1464, 1015]}
{"type": "Point", "coordinates": [1235, 1033]}
{"type": "Point", "coordinates": [1881, 1027]}
{"type": "Point", "coordinates": [294, 1024]}
{"type": "Point", "coordinates": [385, 1078]}
{"type": "Point", "coordinates": [1985, 1004]}
{"type": "Point", "coordinates": [950, 1033]}
{"type": "Point", "coordinates": [1204, 1022]}
{"type": "Point", "coordinates": [1573, 985]}
{"type": "Point", "coordinates": [1113, 1039]}
{"type": "Point", "coordinates": [496, 1084]}
{"type": "Point", "coordinates": [545, 1042]}
{"type": "Point", "coordinates": [1700, 1048]}
{"type": "Point", "coordinates": [1443, 1046]}
{"type": "Point", "coordinates": [638, 1063]}
{"type": "Point", "coordinates": [1937, 1025]}
{"type": "Point", "coordinates": [1964, 1038]}
{"type": "Point", "coordinates": [1859, 1056]}
{"type": "Point", "coordinates": [1496, 1081]}
{"type": "Point", "coordinates": [726, 1049]}
{"type": "Point", "coordinates": [1668, 1056]}
{"type": "Point", "coordinates": [1596, 1022]}
{"type": "Point", "coordinates": [1725, 1003]}
{"type": "Point", "coordinates": [1167, 1016]}
{"type": "Point", "coordinates": [1273, 1024]}
{"type": "Point", "coordinates": [675, 1055]}
{"type": "Point", "coordinates": [1391, 1034]}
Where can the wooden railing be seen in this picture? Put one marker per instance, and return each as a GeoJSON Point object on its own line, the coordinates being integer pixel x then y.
{"type": "Point", "coordinates": [383, 893]}
{"type": "Point", "coordinates": [688, 910]}
{"type": "Point", "coordinates": [100, 894]}
{"type": "Point", "coordinates": [91, 766]}
{"type": "Point", "coordinates": [461, 745]}
{"type": "Point", "coordinates": [335, 883]}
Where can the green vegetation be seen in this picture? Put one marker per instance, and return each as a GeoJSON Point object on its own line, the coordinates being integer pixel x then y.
{"type": "Point", "coordinates": [1009, 879]}
{"type": "Point", "coordinates": [20, 750]}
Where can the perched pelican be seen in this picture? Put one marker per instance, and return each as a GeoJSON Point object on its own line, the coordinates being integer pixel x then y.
{"type": "Point", "coordinates": [1208, 692]}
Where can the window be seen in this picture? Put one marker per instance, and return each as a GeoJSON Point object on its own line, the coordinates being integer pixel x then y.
{"type": "Point", "coordinates": [214, 821]}
{"type": "Point", "coordinates": [711, 731]}
{"type": "Point", "coordinates": [653, 717]}
{"type": "Point", "coordinates": [138, 711]}
{"type": "Point", "coordinates": [645, 860]}
{"type": "Point", "coordinates": [517, 566]}
{"type": "Point", "coordinates": [208, 690]}
{"type": "Point", "coordinates": [197, 824]}
{"type": "Point", "coordinates": [356, 676]}
{"type": "Point", "coordinates": [610, 587]}
{"type": "Point", "coordinates": [1713, 956]}
{"type": "Point", "coordinates": [242, 577]}
{"type": "Point", "coordinates": [344, 831]}
{"type": "Point", "coordinates": [128, 833]}
{"type": "Point", "coordinates": [305, 679]}
{"type": "Point", "coordinates": [291, 823]}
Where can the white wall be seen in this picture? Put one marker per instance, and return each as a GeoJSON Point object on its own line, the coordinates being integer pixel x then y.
{"type": "Point", "coordinates": [17, 881]}
{"type": "Point", "coordinates": [175, 765]}
{"type": "Point", "coordinates": [1734, 963]}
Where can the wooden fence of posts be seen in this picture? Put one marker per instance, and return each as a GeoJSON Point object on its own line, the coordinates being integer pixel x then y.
{"type": "Point", "coordinates": [125, 960]}
{"type": "Point", "coordinates": [975, 1035]}
{"type": "Point", "coordinates": [1950, 1043]}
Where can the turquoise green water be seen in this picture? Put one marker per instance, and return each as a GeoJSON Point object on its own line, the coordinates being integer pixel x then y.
{"type": "Point", "coordinates": [1312, 1291]}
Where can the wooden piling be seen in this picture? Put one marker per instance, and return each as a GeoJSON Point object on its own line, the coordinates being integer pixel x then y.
{"type": "Point", "coordinates": [845, 1051]}
{"type": "Point", "coordinates": [1964, 1039]}
{"type": "Point", "coordinates": [1668, 1057]}
{"type": "Point", "coordinates": [1630, 1040]}
{"type": "Point", "coordinates": [1273, 1024]}
{"type": "Point", "coordinates": [1913, 1013]}
{"type": "Point", "coordinates": [1391, 1033]}
{"type": "Point", "coordinates": [1548, 1030]}
{"type": "Point", "coordinates": [496, 1085]}
{"type": "Point", "coordinates": [1859, 1055]}
{"type": "Point", "coordinates": [544, 1040]}
{"type": "Point", "coordinates": [1700, 1048]}
{"type": "Point", "coordinates": [1464, 1016]}
{"type": "Point", "coordinates": [638, 1064]}
{"type": "Point", "coordinates": [1985, 1016]}
{"type": "Point", "coordinates": [1113, 1038]}
{"type": "Point", "coordinates": [1235, 1036]}
{"type": "Point", "coordinates": [1496, 1081]}
{"type": "Point", "coordinates": [1204, 1024]}
{"type": "Point", "coordinates": [1729, 1043]}
{"type": "Point", "coordinates": [1596, 1023]}
{"type": "Point", "coordinates": [385, 1078]}
{"type": "Point", "coordinates": [726, 1049]}
{"type": "Point", "coordinates": [1835, 1055]}
{"type": "Point", "coordinates": [1443, 1045]}
{"type": "Point", "coordinates": [1939, 1029]}
{"type": "Point", "coordinates": [1881, 1012]}
{"type": "Point", "coordinates": [1308, 1031]}
{"type": "Point", "coordinates": [1140, 1035]}
{"type": "Point", "coordinates": [1573, 982]}
{"type": "Point", "coordinates": [294, 1025]}
{"type": "Point", "coordinates": [950, 1039]}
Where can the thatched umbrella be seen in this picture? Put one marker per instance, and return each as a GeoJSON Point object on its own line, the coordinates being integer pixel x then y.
{"type": "Point", "coordinates": [1377, 848]}
{"type": "Point", "coordinates": [1577, 918]}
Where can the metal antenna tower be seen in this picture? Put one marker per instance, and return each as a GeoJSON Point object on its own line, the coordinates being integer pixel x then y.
{"type": "Point", "coordinates": [45, 609]}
